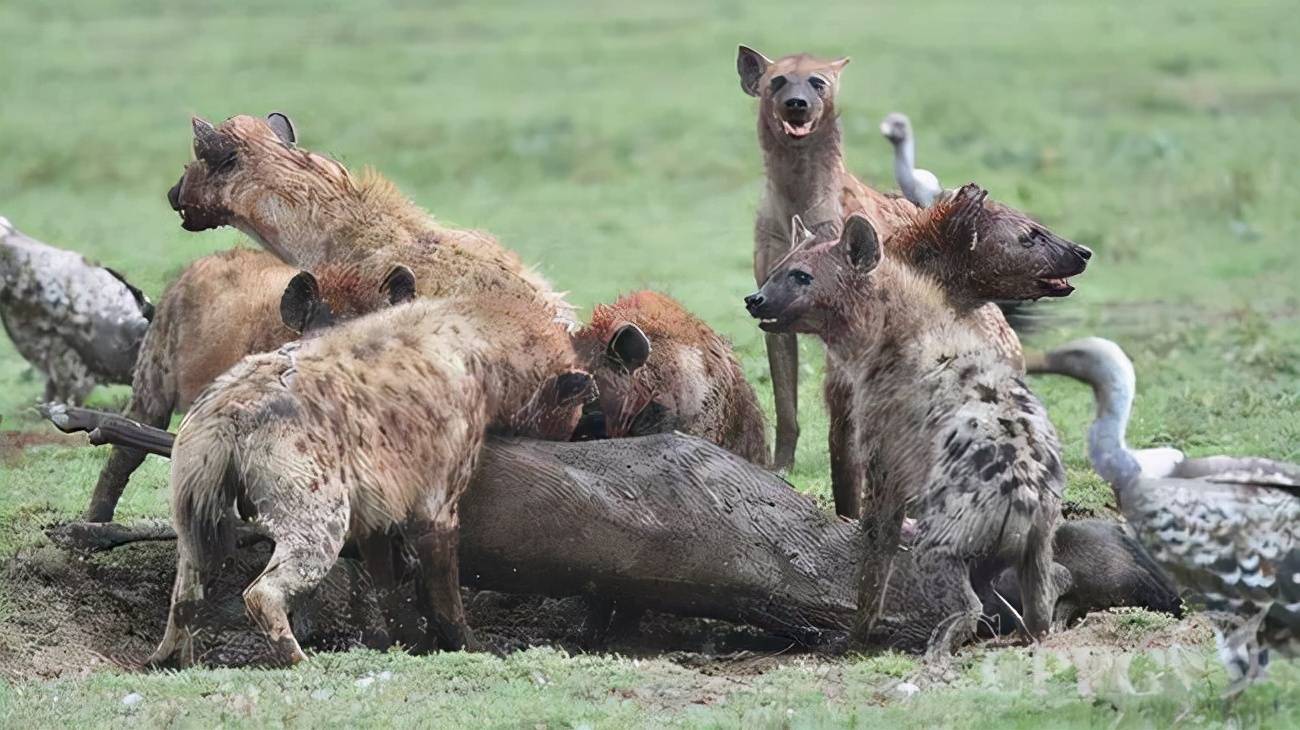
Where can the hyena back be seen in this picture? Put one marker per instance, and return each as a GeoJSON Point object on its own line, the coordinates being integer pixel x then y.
{"type": "Point", "coordinates": [306, 208]}
{"type": "Point", "coordinates": [222, 308]}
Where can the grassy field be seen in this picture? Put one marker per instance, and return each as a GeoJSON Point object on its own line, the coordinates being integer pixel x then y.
{"type": "Point", "coordinates": [614, 147]}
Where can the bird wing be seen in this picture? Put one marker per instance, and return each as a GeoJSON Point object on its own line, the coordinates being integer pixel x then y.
{"type": "Point", "coordinates": [1247, 470]}
{"type": "Point", "coordinates": [1235, 546]}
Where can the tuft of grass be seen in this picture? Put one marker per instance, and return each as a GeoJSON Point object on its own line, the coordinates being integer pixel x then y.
{"type": "Point", "coordinates": [1131, 624]}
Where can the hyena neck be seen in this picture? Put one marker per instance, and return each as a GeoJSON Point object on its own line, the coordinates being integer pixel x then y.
{"type": "Point", "coordinates": [332, 217]}
{"type": "Point", "coordinates": [804, 179]}
{"type": "Point", "coordinates": [935, 261]}
{"type": "Point", "coordinates": [517, 348]}
{"type": "Point", "coordinates": [901, 313]}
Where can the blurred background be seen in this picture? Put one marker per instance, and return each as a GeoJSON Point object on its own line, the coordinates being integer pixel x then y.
{"type": "Point", "coordinates": [611, 145]}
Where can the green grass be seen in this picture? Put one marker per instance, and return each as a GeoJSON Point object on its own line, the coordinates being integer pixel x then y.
{"type": "Point", "coordinates": [614, 147]}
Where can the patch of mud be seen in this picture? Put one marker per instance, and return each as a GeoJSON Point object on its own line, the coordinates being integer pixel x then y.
{"type": "Point", "coordinates": [14, 443]}
{"type": "Point", "coordinates": [65, 615]}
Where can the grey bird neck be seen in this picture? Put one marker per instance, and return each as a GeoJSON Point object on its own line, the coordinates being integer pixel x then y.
{"type": "Point", "coordinates": [905, 165]}
{"type": "Point", "coordinates": [1113, 386]}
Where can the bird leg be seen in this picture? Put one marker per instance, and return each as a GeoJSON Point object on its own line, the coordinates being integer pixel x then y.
{"type": "Point", "coordinates": [1237, 641]}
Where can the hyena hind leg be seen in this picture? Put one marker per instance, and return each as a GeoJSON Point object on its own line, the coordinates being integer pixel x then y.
{"type": "Point", "coordinates": [308, 530]}
{"type": "Point", "coordinates": [176, 650]}
{"type": "Point", "coordinates": [437, 545]}
{"type": "Point", "coordinates": [381, 553]}
{"type": "Point", "coordinates": [1038, 586]}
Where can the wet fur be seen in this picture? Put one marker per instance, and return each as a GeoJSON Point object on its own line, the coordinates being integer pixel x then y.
{"type": "Point", "coordinates": [370, 430]}
{"type": "Point", "coordinates": [691, 381]}
{"type": "Point", "coordinates": [947, 427]}
{"type": "Point", "coordinates": [222, 308]}
{"type": "Point", "coordinates": [307, 208]}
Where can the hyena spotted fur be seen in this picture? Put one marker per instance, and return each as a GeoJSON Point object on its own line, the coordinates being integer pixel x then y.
{"type": "Point", "coordinates": [305, 208]}
{"type": "Point", "coordinates": [967, 449]}
{"type": "Point", "coordinates": [371, 429]}
{"type": "Point", "coordinates": [223, 307]}
{"type": "Point", "coordinates": [659, 368]}
{"type": "Point", "coordinates": [978, 251]}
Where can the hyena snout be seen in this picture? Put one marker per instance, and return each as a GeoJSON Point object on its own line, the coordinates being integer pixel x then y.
{"type": "Point", "coordinates": [174, 196]}
{"type": "Point", "coordinates": [754, 303]}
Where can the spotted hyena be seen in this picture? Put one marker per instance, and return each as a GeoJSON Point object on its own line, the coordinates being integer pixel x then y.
{"type": "Point", "coordinates": [965, 447]}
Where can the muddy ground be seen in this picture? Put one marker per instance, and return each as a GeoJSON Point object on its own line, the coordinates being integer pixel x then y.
{"type": "Point", "coordinates": [65, 614]}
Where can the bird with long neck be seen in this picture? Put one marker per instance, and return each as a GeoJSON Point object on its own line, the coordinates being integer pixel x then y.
{"type": "Point", "coordinates": [917, 185]}
{"type": "Point", "coordinates": [1222, 527]}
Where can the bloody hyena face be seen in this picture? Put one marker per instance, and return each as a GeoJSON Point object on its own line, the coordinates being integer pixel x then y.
{"type": "Point", "coordinates": [808, 291]}
{"type": "Point", "coordinates": [554, 411]}
{"type": "Point", "coordinates": [616, 357]}
{"type": "Point", "coordinates": [226, 158]}
{"type": "Point", "coordinates": [982, 250]}
{"type": "Point", "coordinates": [796, 93]}
{"type": "Point", "coordinates": [339, 293]}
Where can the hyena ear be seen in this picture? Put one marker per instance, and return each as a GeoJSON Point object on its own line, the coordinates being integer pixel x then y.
{"type": "Point", "coordinates": [751, 65]}
{"type": "Point", "coordinates": [861, 243]}
{"type": "Point", "coordinates": [799, 233]}
{"type": "Point", "coordinates": [839, 64]}
{"type": "Point", "coordinates": [283, 127]}
{"type": "Point", "coordinates": [299, 301]}
{"type": "Point", "coordinates": [575, 386]}
{"type": "Point", "coordinates": [400, 285]}
{"type": "Point", "coordinates": [208, 142]}
{"type": "Point", "coordinates": [629, 347]}
{"type": "Point", "coordinates": [961, 220]}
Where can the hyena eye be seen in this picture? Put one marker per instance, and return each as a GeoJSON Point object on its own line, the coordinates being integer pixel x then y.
{"type": "Point", "coordinates": [818, 84]}
{"type": "Point", "coordinates": [802, 278]}
{"type": "Point", "coordinates": [1028, 239]}
{"type": "Point", "coordinates": [777, 83]}
{"type": "Point", "coordinates": [225, 163]}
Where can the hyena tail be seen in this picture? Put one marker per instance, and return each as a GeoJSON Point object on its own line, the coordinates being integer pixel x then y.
{"type": "Point", "coordinates": [205, 485]}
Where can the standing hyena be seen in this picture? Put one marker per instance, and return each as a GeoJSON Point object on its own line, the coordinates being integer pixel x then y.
{"type": "Point", "coordinates": [249, 173]}
{"type": "Point", "coordinates": [304, 207]}
{"type": "Point", "coordinates": [223, 307]}
{"type": "Point", "coordinates": [659, 368]}
{"type": "Point", "coordinates": [799, 133]}
{"type": "Point", "coordinates": [371, 429]}
{"type": "Point", "coordinates": [965, 447]}
{"type": "Point", "coordinates": [800, 137]}
{"type": "Point", "coordinates": [979, 251]}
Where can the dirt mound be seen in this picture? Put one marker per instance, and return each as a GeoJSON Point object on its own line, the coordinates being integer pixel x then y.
{"type": "Point", "coordinates": [61, 615]}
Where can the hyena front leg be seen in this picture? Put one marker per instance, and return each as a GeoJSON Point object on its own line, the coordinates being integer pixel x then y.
{"type": "Point", "coordinates": [846, 475]}
{"type": "Point", "coordinates": [437, 538]}
{"type": "Point", "coordinates": [770, 244]}
{"type": "Point", "coordinates": [176, 650]}
{"type": "Point", "coordinates": [153, 396]}
{"type": "Point", "coordinates": [308, 526]}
